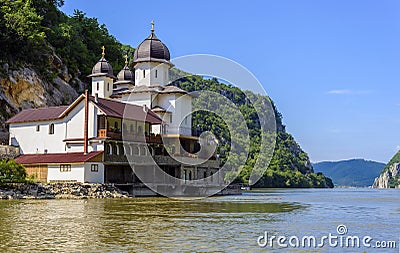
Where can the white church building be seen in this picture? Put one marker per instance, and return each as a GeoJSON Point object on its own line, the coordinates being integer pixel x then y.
{"type": "Point", "coordinates": [125, 120]}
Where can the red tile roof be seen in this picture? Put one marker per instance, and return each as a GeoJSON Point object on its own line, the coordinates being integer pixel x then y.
{"type": "Point", "coordinates": [126, 111]}
{"type": "Point", "coordinates": [111, 108]}
{"type": "Point", "coordinates": [41, 114]}
{"type": "Point", "coordinates": [56, 158]}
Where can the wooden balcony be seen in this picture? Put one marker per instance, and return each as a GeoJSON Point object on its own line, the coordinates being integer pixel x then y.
{"type": "Point", "coordinates": [152, 138]}
{"type": "Point", "coordinates": [103, 133]}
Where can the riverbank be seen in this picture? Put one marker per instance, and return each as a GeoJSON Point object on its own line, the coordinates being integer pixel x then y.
{"type": "Point", "coordinates": [61, 191]}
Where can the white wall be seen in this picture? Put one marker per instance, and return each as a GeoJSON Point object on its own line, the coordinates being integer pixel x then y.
{"type": "Point", "coordinates": [137, 99]}
{"type": "Point", "coordinates": [94, 177]}
{"type": "Point", "coordinates": [105, 86]}
{"type": "Point", "coordinates": [76, 173]}
{"type": "Point", "coordinates": [69, 127]}
{"type": "Point", "coordinates": [31, 142]}
{"type": "Point", "coordinates": [179, 106]}
{"type": "Point", "coordinates": [151, 77]}
{"type": "Point", "coordinates": [79, 172]}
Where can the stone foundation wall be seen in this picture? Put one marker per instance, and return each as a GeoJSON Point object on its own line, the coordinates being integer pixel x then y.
{"type": "Point", "coordinates": [60, 191]}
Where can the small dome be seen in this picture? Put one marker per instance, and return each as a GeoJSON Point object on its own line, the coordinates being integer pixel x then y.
{"type": "Point", "coordinates": [125, 76]}
{"type": "Point", "coordinates": [102, 67]}
{"type": "Point", "coordinates": [151, 49]}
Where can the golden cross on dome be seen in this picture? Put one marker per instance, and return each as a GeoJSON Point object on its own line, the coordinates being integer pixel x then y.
{"type": "Point", "coordinates": [103, 53]}
{"type": "Point", "coordinates": [126, 59]}
{"type": "Point", "coordinates": [152, 26]}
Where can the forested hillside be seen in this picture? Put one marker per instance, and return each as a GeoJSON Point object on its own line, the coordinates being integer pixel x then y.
{"type": "Point", "coordinates": [354, 172]}
{"type": "Point", "coordinates": [46, 55]}
{"type": "Point", "coordinates": [290, 165]}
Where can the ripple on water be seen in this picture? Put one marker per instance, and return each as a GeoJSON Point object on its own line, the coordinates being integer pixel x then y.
{"type": "Point", "coordinates": [222, 224]}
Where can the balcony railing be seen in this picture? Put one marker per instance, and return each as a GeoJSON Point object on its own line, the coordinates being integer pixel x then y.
{"type": "Point", "coordinates": [152, 138]}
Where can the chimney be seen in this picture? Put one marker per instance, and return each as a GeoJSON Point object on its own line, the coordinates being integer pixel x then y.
{"type": "Point", "coordinates": [96, 97]}
{"type": "Point", "coordinates": [86, 124]}
{"type": "Point", "coordinates": [145, 109]}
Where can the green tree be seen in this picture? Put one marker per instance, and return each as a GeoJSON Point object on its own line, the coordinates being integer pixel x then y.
{"type": "Point", "coordinates": [21, 31]}
{"type": "Point", "coordinates": [12, 172]}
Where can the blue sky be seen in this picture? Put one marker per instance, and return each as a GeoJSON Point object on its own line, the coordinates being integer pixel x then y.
{"type": "Point", "coordinates": [331, 67]}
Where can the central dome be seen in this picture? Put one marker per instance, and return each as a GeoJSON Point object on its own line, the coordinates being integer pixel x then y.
{"type": "Point", "coordinates": [151, 50]}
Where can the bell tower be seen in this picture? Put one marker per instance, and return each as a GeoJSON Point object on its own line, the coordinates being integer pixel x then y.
{"type": "Point", "coordinates": [102, 77]}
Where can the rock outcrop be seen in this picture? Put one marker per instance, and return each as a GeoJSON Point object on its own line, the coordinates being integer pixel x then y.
{"type": "Point", "coordinates": [389, 178]}
{"type": "Point", "coordinates": [23, 88]}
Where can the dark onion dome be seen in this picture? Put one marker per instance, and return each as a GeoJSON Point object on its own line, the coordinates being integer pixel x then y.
{"type": "Point", "coordinates": [125, 76]}
{"type": "Point", "coordinates": [102, 68]}
{"type": "Point", "coordinates": [152, 50]}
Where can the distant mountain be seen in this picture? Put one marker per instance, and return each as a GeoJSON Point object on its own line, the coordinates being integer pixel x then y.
{"type": "Point", "coordinates": [354, 172]}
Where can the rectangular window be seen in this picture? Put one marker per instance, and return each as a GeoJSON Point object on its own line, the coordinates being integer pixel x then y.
{"type": "Point", "coordinates": [97, 86]}
{"type": "Point", "coordinates": [65, 167]}
{"type": "Point", "coordinates": [37, 128]}
{"type": "Point", "coordinates": [51, 128]}
{"type": "Point", "coordinates": [94, 168]}
{"type": "Point", "coordinates": [170, 118]}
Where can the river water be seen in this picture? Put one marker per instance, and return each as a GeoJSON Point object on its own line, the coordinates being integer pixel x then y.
{"type": "Point", "coordinates": [218, 224]}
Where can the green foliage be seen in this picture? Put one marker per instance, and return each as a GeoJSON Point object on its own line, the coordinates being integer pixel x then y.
{"type": "Point", "coordinates": [395, 159]}
{"type": "Point", "coordinates": [78, 41]}
{"type": "Point", "coordinates": [289, 166]}
{"type": "Point", "coordinates": [393, 181]}
{"type": "Point", "coordinates": [11, 172]}
{"type": "Point", "coordinates": [354, 172]}
{"type": "Point", "coordinates": [22, 38]}
{"type": "Point", "coordinates": [31, 31]}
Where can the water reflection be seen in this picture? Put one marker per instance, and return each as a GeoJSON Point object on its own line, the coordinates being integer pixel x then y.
{"type": "Point", "coordinates": [224, 224]}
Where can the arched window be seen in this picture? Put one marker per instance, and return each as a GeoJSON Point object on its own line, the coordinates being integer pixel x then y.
{"type": "Point", "coordinates": [51, 128]}
{"type": "Point", "coordinates": [115, 149]}
{"type": "Point", "coordinates": [109, 149]}
{"type": "Point", "coordinates": [140, 130]}
{"type": "Point", "coordinates": [135, 150]}
{"type": "Point", "coordinates": [143, 151]}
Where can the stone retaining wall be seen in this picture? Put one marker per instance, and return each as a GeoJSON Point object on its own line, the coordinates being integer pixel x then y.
{"type": "Point", "coordinates": [60, 191]}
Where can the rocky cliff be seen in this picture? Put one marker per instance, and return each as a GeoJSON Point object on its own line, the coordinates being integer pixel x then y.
{"type": "Point", "coordinates": [390, 176]}
{"type": "Point", "coordinates": [23, 88]}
